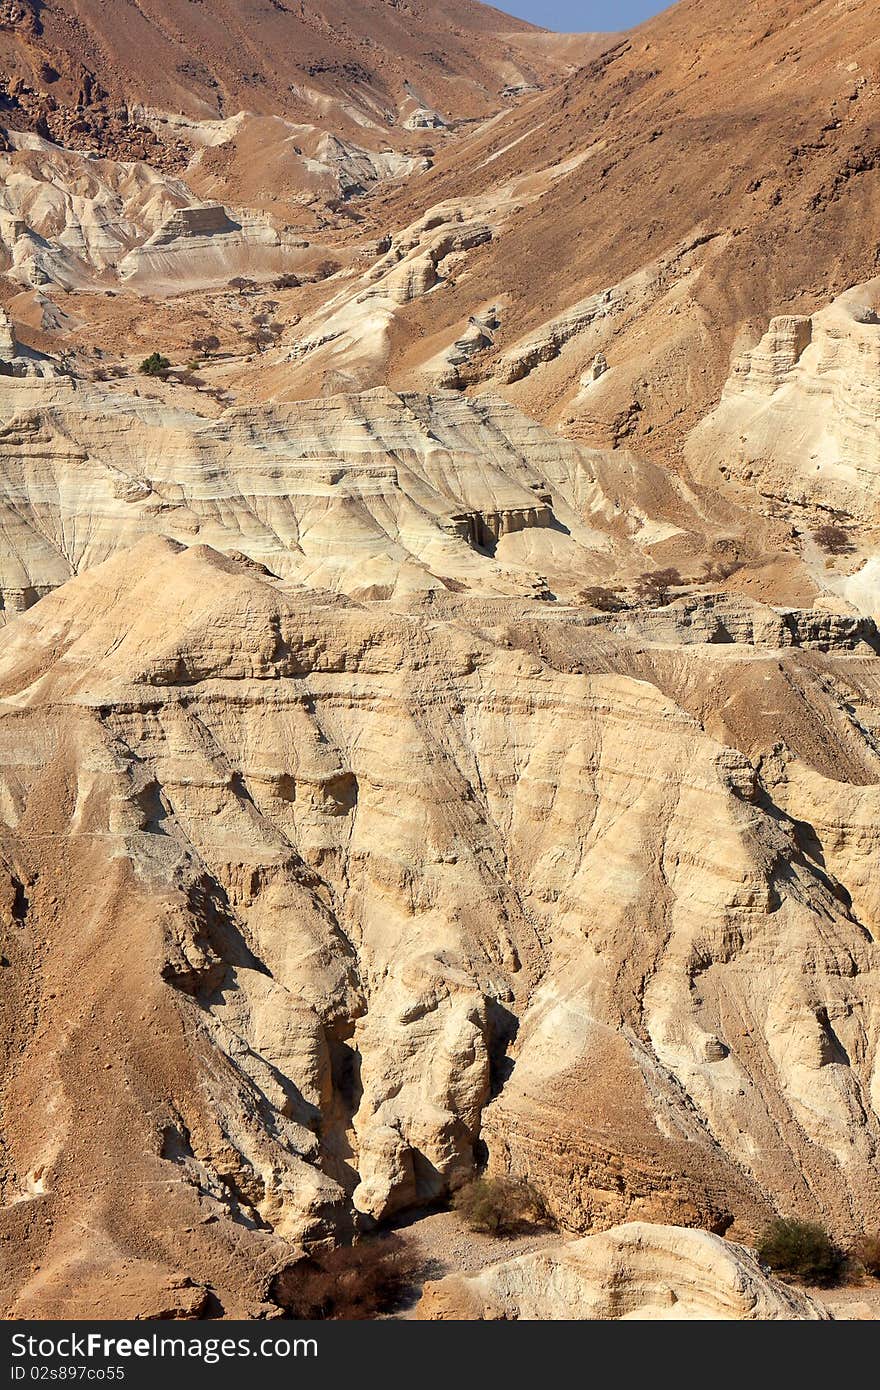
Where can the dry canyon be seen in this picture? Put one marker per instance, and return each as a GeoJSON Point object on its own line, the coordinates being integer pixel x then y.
{"type": "Point", "coordinates": [439, 698]}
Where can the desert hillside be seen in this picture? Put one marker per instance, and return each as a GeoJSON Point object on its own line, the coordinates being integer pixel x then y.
{"type": "Point", "coordinates": [439, 664]}
{"type": "Point", "coordinates": [138, 78]}
{"type": "Point", "coordinates": [719, 166]}
{"type": "Point", "coordinates": [210, 61]}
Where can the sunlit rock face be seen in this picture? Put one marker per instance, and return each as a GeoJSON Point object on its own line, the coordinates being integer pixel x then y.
{"type": "Point", "coordinates": [382, 900]}
{"type": "Point", "coordinates": [372, 494]}
{"type": "Point", "coordinates": [439, 672]}
{"type": "Point", "coordinates": [799, 419]}
{"type": "Point", "coordinates": [635, 1271]}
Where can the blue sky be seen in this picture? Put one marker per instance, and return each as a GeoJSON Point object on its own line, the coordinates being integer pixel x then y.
{"type": "Point", "coordinates": [582, 16]}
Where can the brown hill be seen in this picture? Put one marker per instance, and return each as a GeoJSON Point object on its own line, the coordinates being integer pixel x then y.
{"type": "Point", "coordinates": [748, 132]}
{"type": "Point", "coordinates": [260, 55]}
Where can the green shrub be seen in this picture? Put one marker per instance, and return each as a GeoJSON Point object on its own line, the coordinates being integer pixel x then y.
{"type": "Point", "coordinates": [802, 1249]}
{"type": "Point", "coordinates": [500, 1206]}
{"type": "Point", "coordinates": [155, 365]}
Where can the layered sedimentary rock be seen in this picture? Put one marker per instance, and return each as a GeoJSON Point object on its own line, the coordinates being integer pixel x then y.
{"type": "Point", "coordinates": [394, 787]}
{"type": "Point", "coordinates": [353, 907]}
{"type": "Point", "coordinates": [203, 246]}
{"type": "Point", "coordinates": [70, 220]}
{"type": "Point", "coordinates": [66, 219]}
{"type": "Point", "coordinates": [799, 418]}
{"type": "Point", "coordinates": [370, 494]}
{"type": "Point", "coordinates": [635, 1271]}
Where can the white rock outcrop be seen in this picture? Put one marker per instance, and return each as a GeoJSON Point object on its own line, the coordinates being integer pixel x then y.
{"type": "Point", "coordinates": [800, 416]}
{"type": "Point", "coordinates": [635, 1271]}
{"type": "Point", "coordinates": [368, 494]}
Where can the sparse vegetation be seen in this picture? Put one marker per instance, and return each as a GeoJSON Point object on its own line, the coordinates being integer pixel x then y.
{"type": "Point", "coordinates": [866, 1252]}
{"type": "Point", "coordinates": [205, 346]}
{"type": "Point", "coordinates": [836, 540]}
{"type": "Point", "coordinates": [605, 600]}
{"type": "Point", "coordinates": [801, 1250]}
{"type": "Point", "coordinates": [501, 1206]}
{"type": "Point", "coordinates": [654, 586]}
{"type": "Point", "coordinates": [155, 365]}
{"type": "Point", "coordinates": [716, 571]}
{"type": "Point", "coordinates": [264, 335]}
{"type": "Point", "coordinates": [352, 1282]}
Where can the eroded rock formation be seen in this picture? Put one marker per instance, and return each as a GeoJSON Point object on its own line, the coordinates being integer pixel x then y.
{"type": "Point", "coordinates": [377, 900]}
{"type": "Point", "coordinates": [633, 1271]}
{"type": "Point", "coordinates": [439, 717]}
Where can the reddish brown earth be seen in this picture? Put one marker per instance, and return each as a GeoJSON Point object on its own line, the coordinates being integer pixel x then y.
{"type": "Point", "coordinates": [752, 124]}
{"type": "Point", "coordinates": [213, 60]}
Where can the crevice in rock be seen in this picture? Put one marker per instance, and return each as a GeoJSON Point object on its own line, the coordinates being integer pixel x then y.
{"type": "Point", "coordinates": [339, 1156]}
{"type": "Point", "coordinates": [502, 1029]}
{"type": "Point", "coordinates": [20, 901]}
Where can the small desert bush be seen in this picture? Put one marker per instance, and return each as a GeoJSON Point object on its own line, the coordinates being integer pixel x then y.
{"type": "Point", "coordinates": [867, 1252]}
{"type": "Point", "coordinates": [834, 539]}
{"type": "Point", "coordinates": [352, 1282]}
{"type": "Point", "coordinates": [716, 571]}
{"type": "Point", "coordinates": [654, 586]}
{"type": "Point", "coordinates": [155, 365]}
{"type": "Point", "coordinates": [802, 1250]}
{"type": "Point", "coordinates": [605, 600]}
{"type": "Point", "coordinates": [324, 269]}
{"type": "Point", "coordinates": [205, 346]}
{"type": "Point", "coordinates": [500, 1206]}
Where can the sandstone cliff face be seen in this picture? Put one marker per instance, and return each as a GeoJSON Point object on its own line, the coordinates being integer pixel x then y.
{"type": "Point", "coordinates": [351, 906]}
{"type": "Point", "coordinates": [797, 430]}
{"type": "Point", "coordinates": [799, 419]}
{"type": "Point", "coordinates": [630, 1272]}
